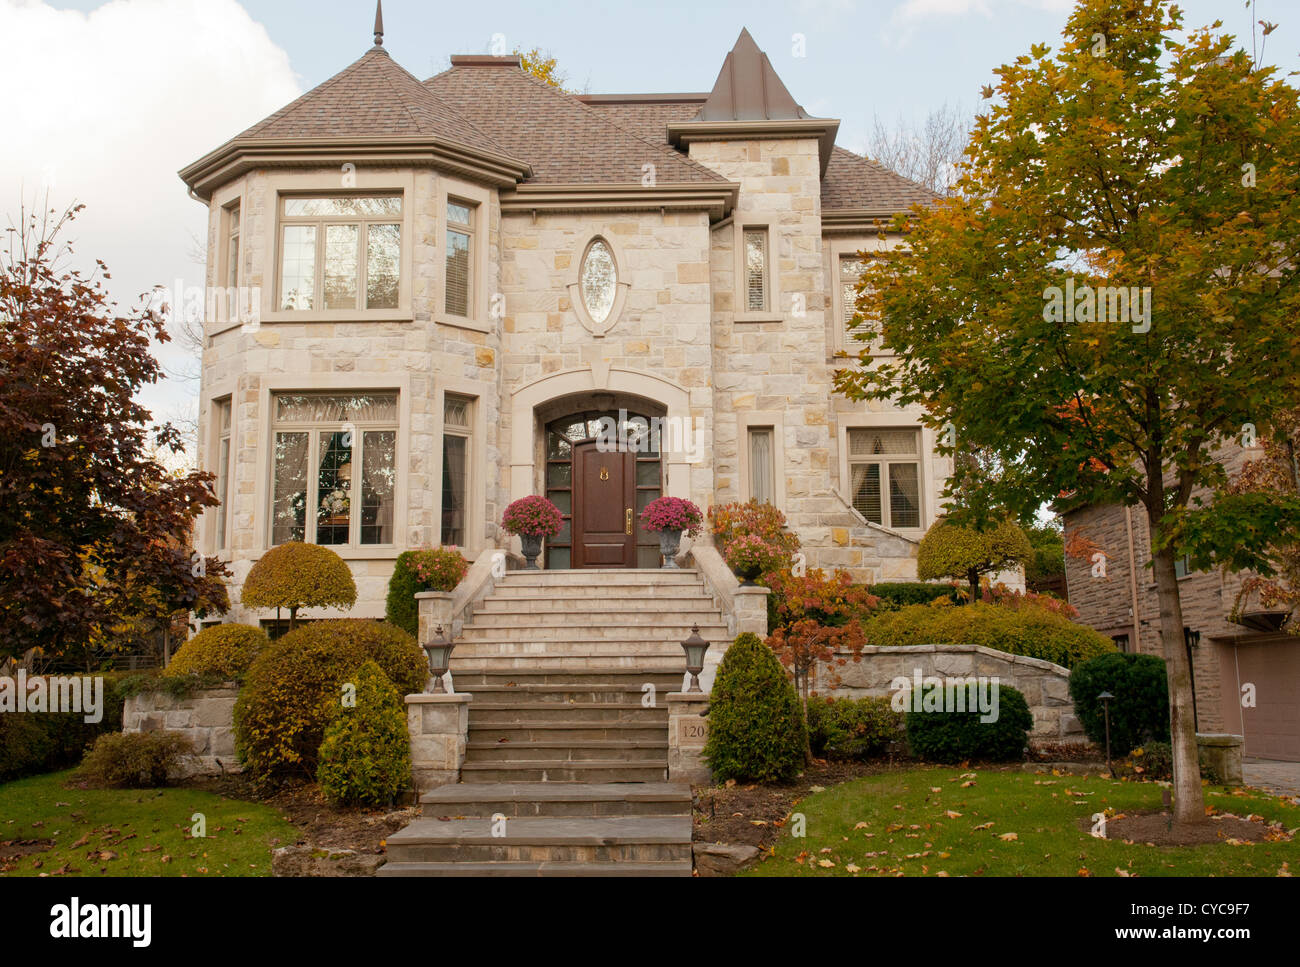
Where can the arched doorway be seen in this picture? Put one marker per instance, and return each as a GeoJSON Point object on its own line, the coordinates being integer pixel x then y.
{"type": "Point", "coordinates": [603, 466]}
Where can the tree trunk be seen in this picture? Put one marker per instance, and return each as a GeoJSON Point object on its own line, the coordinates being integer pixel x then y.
{"type": "Point", "coordinates": [293, 618]}
{"type": "Point", "coordinates": [1189, 805]}
{"type": "Point", "coordinates": [803, 696]}
{"type": "Point", "coordinates": [974, 578]}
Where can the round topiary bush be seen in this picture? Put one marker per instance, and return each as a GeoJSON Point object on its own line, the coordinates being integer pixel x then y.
{"type": "Point", "coordinates": [756, 730]}
{"type": "Point", "coordinates": [943, 734]}
{"type": "Point", "coordinates": [949, 550]}
{"type": "Point", "coordinates": [852, 728]}
{"type": "Point", "coordinates": [222, 651]}
{"type": "Point", "coordinates": [365, 757]}
{"type": "Point", "coordinates": [436, 569]}
{"type": "Point", "coordinates": [1029, 629]}
{"type": "Point", "coordinates": [294, 686]}
{"type": "Point", "coordinates": [1139, 713]}
{"type": "Point", "coordinates": [297, 575]}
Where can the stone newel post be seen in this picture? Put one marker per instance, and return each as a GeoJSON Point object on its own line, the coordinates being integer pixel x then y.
{"type": "Point", "coordinates": [687, 730]}
{"type": "Point", "coordinates": [438, 724]}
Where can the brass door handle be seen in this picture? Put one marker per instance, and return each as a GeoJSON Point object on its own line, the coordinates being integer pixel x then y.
{"type": "Point", "coordinates": [629, 521]}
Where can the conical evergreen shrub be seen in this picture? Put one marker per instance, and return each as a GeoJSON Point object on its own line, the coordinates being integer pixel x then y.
{"type": "Point", "coordinates": [756, 730]}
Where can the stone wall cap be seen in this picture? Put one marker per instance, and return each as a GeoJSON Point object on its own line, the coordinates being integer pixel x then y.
{"type": "Point", "coordinates": [757, 589]}
{"type": "Point", "coordinates": [425, 698]}
{"type": "Point", "coordinates": [700, 697]}
{"type": "Point", "coordinates": [1219, 738]}
{"type": "Point", "coordinates": [432, 595]}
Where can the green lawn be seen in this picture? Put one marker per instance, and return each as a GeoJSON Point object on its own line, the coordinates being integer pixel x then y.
{"type": "Point", "coordinates": [128, 832]}
{"type": "Point", "coordinates": [904, 823]}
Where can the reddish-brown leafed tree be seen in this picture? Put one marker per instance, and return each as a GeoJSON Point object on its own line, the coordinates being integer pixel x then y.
{"type": "Point", "coordinates": [93, 531]}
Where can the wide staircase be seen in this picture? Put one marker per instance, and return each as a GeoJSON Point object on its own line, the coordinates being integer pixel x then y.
{"type": "Point", "coordinates": [566, 769]}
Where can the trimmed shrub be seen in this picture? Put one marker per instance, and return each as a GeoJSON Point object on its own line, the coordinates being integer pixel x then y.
{"type": "Point", "coordinates": [1152, 760]}
{"type": "Point", "coordinates": [1027, 629]}
{"type": "Point", "coordinates": [829, 599]}
{"type": "Point", "coordinates": [899, 594]}
{"type": "Point", "coordinates": [33, 743]}
{"type": "Point", "coordinates": [365, 757]}
{"type": "Point", "coordinates": [294, 686]}
{"type": "Point", "coordinates": [756, 730]}
{"type": "Point", "coordinates": [1139, 712]}
{"type": "Point", "coordinates": [853, 728]}
{"type": "Point", "coordinates": [952, 736]}
{"type": "Point", "coordinates": [297, 575]}
{"type": "Point", "coordinates": [224, 651]}
{"type": "Point", "coordinates": [436, 569]}
{"type": "Point", "coordinates": [949, 550]}
{"type": "Point", "coordinates": [135, 760]}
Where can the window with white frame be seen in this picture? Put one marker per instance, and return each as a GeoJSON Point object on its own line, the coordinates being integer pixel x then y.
{"type": "Point", "coordinates": [851, 269]}
{"type": "Point", "coordinates": [456, 440]}
{"type": "Point", "coordinates": [232, 247]}
{"type": "Point", "coordinates": [762, 465]}
{"type": "Point", "coordinates": [460, 258]}
{"type": "Point", "coordinates": [756, 269]}
{"type": "Point", "coordinates": [223, 426]}
{"type": "Point", "coordinates": [333, 475]}
{"type": "Point", "coordinates": [885, 466]}
{"type": "Point", "coordinates": [340, 252]}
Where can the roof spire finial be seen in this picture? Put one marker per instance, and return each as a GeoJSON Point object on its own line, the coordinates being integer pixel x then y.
{"type": "Point", "coordinates": [379, 23]}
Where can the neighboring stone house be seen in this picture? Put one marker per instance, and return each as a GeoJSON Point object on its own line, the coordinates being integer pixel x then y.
{"type": "Point", "coordinates": [1225, 654]}
{"type": "Point", "coordinates": [441, 287]}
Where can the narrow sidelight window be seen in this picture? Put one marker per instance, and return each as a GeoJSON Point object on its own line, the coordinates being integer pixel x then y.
{"type": "Point", "coordinates": [223, 421]}
{"type": "Point", "coordinates": [761, 465]}
{"type": "Point", "coordinates": [455, 469]}
{"type": "Point", "coordinates": [756, 268]}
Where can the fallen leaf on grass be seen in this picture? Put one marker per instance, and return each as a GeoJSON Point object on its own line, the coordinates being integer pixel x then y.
{"type": "Point", "coordinates": [982, 826]}
{"type": "Point", "coordinates": [953, 814]}
{"type": "Point", "coordinates": [853, 868]}
{"type": "Point", "coordinates": [825, 864]}
{"type": "Point", "coordinates": [860, 825]}
{"type": "Point", "coordinates": [1008, 837]}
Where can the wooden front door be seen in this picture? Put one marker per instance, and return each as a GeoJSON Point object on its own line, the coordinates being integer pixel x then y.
{"type": "Point", "coordinates": [604, 502]}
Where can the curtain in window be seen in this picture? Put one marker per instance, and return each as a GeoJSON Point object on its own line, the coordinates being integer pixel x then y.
{"type": "Point", "coordinates": [455, 479]}
{"type": "Point", "coordinates": [289, 502]}
{"type": "Point", "coordinates": [760, 465]}
{"type": "Point", "coordinates": [326, 408]}
{"type": "Point", "coordinates": [378, 452]}
{"type": "Point", "coordinates": [904, 495]}
{"type": "Point", "coordinates": [866, 491]}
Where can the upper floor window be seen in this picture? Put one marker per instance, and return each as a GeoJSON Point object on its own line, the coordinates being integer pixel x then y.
{"type": "Point", "coordinates": [334, 469]}
{"type": "Point", "coordinates": [340, 252]}
{"type": "Point", "coordinates": [232, 247]}
{"type": "Point", "coordinates": [756, 270]}
{"type": "Point", "coordinates": [460, 247]}
{"type": "Point", "coordinates": [599, 278]}
{"type": "Point", "coordinates": [851, 269]}
{"type": "Point", "coordinates": [886, 469]}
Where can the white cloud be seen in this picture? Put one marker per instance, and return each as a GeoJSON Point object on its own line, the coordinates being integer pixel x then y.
{"type": "Point", "coordinates": [114, 104]}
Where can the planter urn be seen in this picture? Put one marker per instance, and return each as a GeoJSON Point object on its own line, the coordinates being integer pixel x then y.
{"type": "Point", "coordinates": [531, 545]}
{"type": "Point", "coordinates": [669, 540]}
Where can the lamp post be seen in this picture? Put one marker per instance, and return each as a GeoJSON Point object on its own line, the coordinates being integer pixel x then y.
{"type": "Point", "coordinates": [1105, 698]}
{"type": "Point", "coordinates": [438, 648]}
{"type": "Point", "coordinates": [695, 647]}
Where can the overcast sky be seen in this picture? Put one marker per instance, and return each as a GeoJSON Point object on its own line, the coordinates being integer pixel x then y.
{"type": "Point", "coordinates": [118, 96]}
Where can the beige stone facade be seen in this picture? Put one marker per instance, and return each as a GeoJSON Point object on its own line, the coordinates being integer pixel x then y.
{"type": "Point", "coordinates": [669, 189]}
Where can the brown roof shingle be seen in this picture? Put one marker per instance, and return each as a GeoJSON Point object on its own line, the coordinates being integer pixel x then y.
{"type": "Point", "coordinates": [858, 183]}
{"type": "Point", "coordinates": [373, 97]}
{"type": "Point", "coordinates": [564, 140]}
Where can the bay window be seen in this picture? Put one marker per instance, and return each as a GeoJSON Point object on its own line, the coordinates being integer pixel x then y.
{"type": "Point", "coordinates": [334, 469]}
{"type": "Point", "coordinates": [340, 252]}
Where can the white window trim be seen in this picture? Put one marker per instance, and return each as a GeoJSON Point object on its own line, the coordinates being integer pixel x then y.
{"type": "Point", "coordinates": [476, 393]}
{"type": "Point", "coordinates": [209, 445]}
{"type": "Point", "coordinates": [276, 385]}
{"type": "Point", "coordinates": [367, 183]}
{"type": "Point", "coordinates": [926, 480]}
{"type": "Point", "coordinates": [230, 197]}
{"type": "Point", "coordinates": [744, 223]}
{"type": "Point", "coordinates": [762, 419]}
{"type": "Point", "coordinates": [479, 320]}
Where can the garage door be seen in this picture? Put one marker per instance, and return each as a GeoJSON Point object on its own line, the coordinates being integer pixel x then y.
{"type": "Point", "coordinates": [1272, 727]}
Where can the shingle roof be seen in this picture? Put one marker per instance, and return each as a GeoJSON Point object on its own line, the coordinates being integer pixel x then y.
{"type": "Point", "coordinates": [855, 182]}
{"type": "Point", "coordinates": [374, 97]}
{"type": "Point", "coordinates": [564, 140]}
{"type": "Point", "coordinates": [646, 118]}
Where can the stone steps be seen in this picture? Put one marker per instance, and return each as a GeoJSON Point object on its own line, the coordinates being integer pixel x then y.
{"type": "Point", "coordinates": [547, 868]}
{"type": "Point", "coordinates": [658, 621]}
{"type": "Point", "coordinates": [628, 676]}
{"type": "Point", "coordinates": [543, 839]}
{"type": "Point", "coordinates": [576, 634]}
{"type": "Point", "coordinates": [564, 770]}
{"type": "Point", "coordinates": [567, 732]}
{"type": "Point", "coordinates": [509, 603]}
{"type": "Point", "coordinates": [488, 714]}
{"type": "Point", "coordinates": [602, 577]}
{"type": "Point", "coordinates": [558, 799]}
{"type": "Point", "coordinates": [559, 749]}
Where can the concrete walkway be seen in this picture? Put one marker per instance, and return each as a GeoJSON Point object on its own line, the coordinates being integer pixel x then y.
{"type": "Point", "coordinates": [1279, 778]}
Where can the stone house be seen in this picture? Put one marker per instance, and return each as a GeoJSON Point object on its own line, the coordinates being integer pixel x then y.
{"type": "Point", "coordinates": [1226, 655]}
{"type": "Point", "coordinates": [428, 294]}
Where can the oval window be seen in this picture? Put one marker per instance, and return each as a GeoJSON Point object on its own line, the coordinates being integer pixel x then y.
{"type": "Point", "coordinates": [599, 281]}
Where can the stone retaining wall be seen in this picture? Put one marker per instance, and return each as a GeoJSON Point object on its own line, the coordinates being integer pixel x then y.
{"type": "Point", "coordinates": [1045, 685]}
{"type": "Point", "coordinates": [205, 718]}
